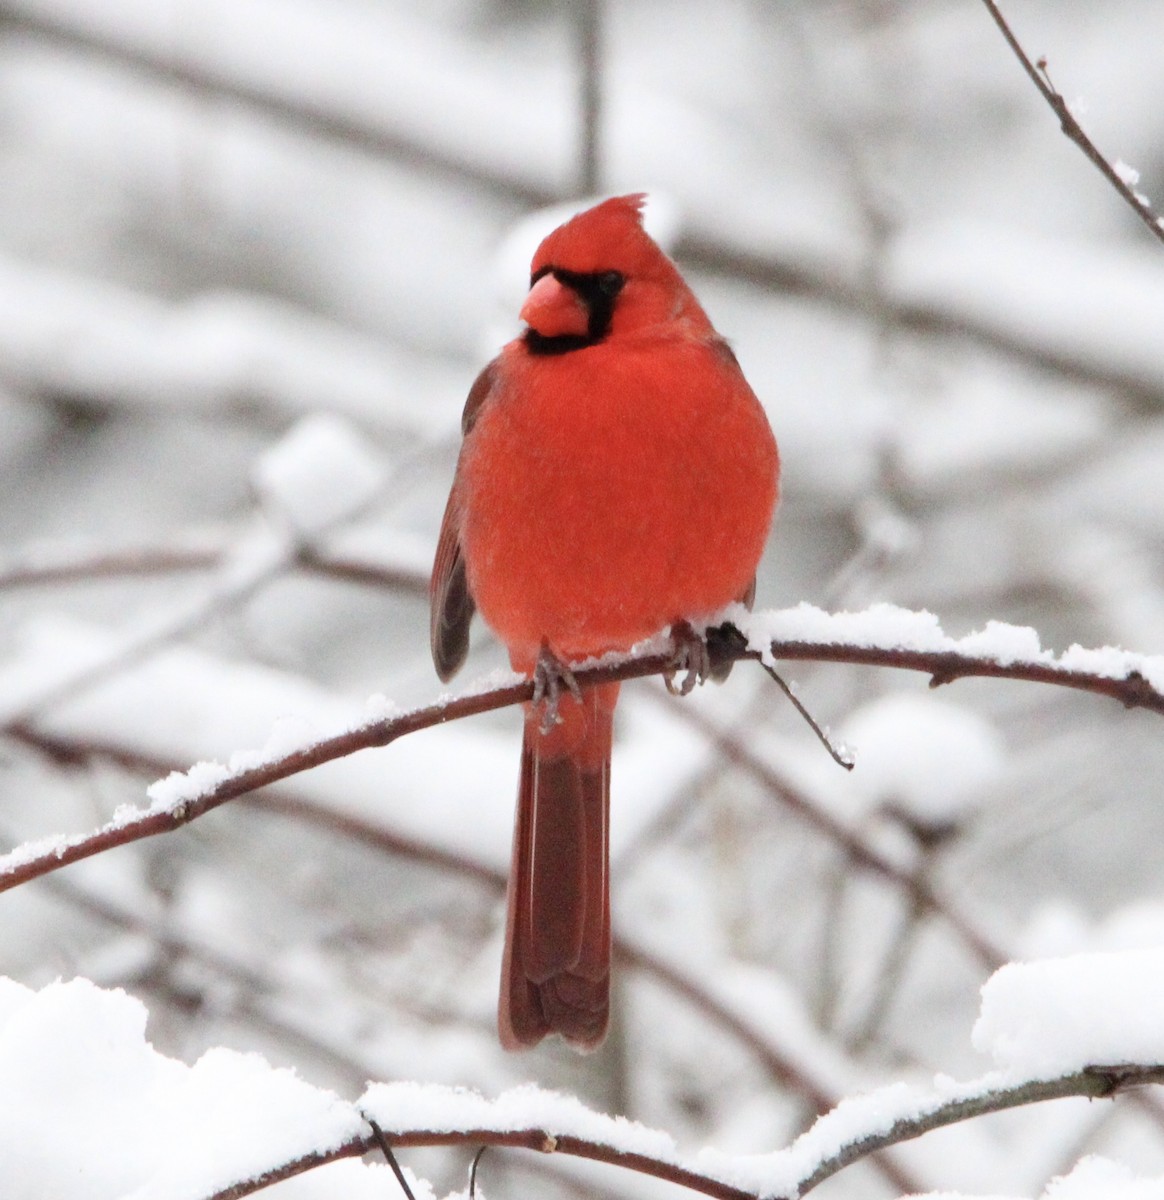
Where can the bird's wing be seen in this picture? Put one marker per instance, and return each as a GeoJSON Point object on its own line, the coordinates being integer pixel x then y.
{"type": "Point", "coordinates": [451, 603]}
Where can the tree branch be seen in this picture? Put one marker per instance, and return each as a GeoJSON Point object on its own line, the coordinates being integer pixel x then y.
{"type": "Point", "coordinates": [788, 274]}
{"type": "Point", "coordinates": [1070, 126]}
{"type": "Point", "coordinates": [791, 1173]}
{"type": "Point", "coordinates": [40, 567]}
{"type": "Point", "coordinates": [1095, 1082]}
{"type": "Point", "coordinates": [769, 1054]}
{"type": "Point", "coordinates": [860, 851]}
{"type": "Point", "coordinates": [527, 1139]}
{"type": "Point", "coordinates": [920, 645]}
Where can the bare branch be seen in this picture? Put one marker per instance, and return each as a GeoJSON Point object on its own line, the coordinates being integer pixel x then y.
{"type": "Point", "coordinates": [57, 565]}
{"type": "Point", "coordinates": [40, 567]}
{"type": "Point", "coordinates": [338, 565]}
{"type": "Point", "coordinates": [385, 1148]}
{"type": "Point", "coordinates": [861, 851]}
{"type": "Point", "coordinates": [789, 274]}
{"type": "Point", "coordinates": [588, 30]}
{"type": "Point", "coordinates": [1071, 127]}
{"type": "Point", "coordinates": [843, 758]}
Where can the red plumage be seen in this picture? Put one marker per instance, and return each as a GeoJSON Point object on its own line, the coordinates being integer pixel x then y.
{"type": "Point", "coordinates": [618, 475]}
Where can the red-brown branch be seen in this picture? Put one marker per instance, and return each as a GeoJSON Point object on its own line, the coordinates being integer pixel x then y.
{"type": "Point", "coordinates": [526, 1139]}
{"type": "Point", "coordinates": [783, 1070]}
{"type": "Point", "coordinates": [1132, 690]}
{"type": "Point", "coordinates": [87, 565]}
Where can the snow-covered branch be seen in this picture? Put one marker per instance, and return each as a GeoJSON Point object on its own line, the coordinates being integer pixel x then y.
{"type": "Point", "coordinates": [781, 1054]}
{"type": "Point", "coordinates": [976, 1100]}
{"type": "Point", "coordinates": [533, 1120]}
{"type": "Point", "coordinates": [786, 1048]}
{"type": "Point", "coordinates": [881, 636]}
{"type": "Point", "coordinates": [266, 1125]}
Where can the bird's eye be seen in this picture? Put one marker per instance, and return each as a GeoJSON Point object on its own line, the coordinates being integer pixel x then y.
{"type": "Point", "coordinates": [610, 282]}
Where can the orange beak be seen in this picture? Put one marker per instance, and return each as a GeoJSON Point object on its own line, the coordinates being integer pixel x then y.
{"type": "Point", "coordinates": [553, 309]}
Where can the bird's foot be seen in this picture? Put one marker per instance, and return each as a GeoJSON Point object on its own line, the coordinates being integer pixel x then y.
{"type": "Point", "coordinates": [691, 656]}
{"type": "Point", "coordinates": [551, 677]}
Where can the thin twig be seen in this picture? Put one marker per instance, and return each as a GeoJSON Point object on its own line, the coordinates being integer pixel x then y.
{"type": "Point", "coordinates": [473, 1171]}
{"type": "Point", "coordinates": [386, 1150]}
{"type": "Point", "coordinates": [1071, 127]}
{"type": "Point", "coordinates": [890, 976]}
{"type": "Point", "coordinates": [39, 567]}
{"type": "Point", "coordinates": [840, 757]}
{"type": "Point", "coordinates": [828, 976]}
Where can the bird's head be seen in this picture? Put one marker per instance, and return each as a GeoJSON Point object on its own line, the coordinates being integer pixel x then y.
{"type": "Point", "coordinates": [600, 275]}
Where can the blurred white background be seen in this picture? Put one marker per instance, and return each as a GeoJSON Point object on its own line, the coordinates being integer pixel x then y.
{"type": "Point", "coordinates": [220, 219]}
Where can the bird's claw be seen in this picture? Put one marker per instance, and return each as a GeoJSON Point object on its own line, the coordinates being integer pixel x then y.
{"type": "Point", "coordinates": [551, 675]}
{"type": "Point", "coordinates": [691, 656]}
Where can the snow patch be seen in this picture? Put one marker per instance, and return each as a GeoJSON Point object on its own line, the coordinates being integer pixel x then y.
{"type": "Point", "coordinates": [928, 758]}
{"type": "Point", "coordinates": [1052, 1018]}
{"type": "Point", "coordinates": [140, 1125]}
{"type": "Point", "coordinates": [319, 473]}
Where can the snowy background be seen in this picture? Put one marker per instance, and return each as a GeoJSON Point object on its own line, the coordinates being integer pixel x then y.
{"type": "Point", "coordinates": [252, 253]}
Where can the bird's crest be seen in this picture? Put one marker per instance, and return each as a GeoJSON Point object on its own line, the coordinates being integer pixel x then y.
{"type": "Point", "coordinates": [608, 235]}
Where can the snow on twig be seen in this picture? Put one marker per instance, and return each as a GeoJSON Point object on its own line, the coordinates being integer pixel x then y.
{"type": "Point", "coordinates": [220, 1150]}
{"type": "Point", "coordinates": [414, 1115]}
{"type": "Point", "coordinates": [883, 636]}
{"type": "Point", "coordinates": [1121, 177]}
{"type": "Point", "coordinates": [779, 1046]}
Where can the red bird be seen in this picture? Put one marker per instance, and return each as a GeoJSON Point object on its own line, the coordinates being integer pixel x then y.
{"type": "Point", "coordinates": [618, 475]}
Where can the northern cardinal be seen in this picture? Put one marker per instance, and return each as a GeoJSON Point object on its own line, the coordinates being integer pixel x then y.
{"type": "Point", "coordinates": [617, 476]}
